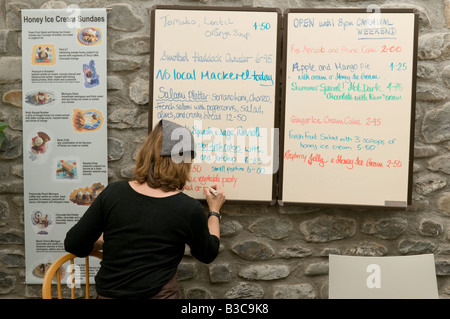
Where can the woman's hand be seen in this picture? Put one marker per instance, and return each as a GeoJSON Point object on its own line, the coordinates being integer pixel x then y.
{"type": "Point", "coordinates": [98, 245]}
{"type": "Point", "coordinates": [215, 202]}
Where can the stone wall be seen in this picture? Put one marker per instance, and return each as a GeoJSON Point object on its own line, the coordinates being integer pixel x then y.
{"type": "Point", "coordinates": [266, 252]}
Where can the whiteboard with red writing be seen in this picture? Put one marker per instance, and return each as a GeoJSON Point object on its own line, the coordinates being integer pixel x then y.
{"type": "Point", "coordinates": [215, 70]}
{"type": "Point", "coordinates": [348, 107]}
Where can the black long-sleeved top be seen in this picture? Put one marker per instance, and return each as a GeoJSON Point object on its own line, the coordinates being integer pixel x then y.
{"type": "Point", "coordinates": [144, 239]}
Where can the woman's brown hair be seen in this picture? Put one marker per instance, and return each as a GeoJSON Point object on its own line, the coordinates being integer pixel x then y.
{"type": "Point", "coordinates": [159, 171]}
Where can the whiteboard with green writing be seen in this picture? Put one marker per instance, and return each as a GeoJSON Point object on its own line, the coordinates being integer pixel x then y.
{"type": "Point", "coordinates": [216, 71]}
{"type": "Point", "coordinates": [348, 107]}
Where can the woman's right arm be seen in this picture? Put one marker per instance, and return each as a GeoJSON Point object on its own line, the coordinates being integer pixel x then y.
{"type": "Point", "coordinates": [215, 203]}
{"type": "Point", "coordinates": [205, 233]}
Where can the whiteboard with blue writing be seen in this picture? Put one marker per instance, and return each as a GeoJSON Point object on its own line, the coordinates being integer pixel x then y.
{"type": "Point", "coordinates": [348, 107]}
{"type": "Point", "coordinates": [216, 71]}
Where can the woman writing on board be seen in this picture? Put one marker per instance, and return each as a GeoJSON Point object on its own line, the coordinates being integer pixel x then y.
{"type": "Point", "coordinates": [147, 222]}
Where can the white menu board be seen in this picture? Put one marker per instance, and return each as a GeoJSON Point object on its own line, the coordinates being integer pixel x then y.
{"type": "Point", "coordinates": [215, 70]}
{"type": "Point", "coordinates": [64, 126]}
{"type": "Point", "coordinates": [348, 107]}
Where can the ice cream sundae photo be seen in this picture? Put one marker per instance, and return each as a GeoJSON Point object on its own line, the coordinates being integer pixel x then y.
{"type": "Point", "coordinates": [90, 75]}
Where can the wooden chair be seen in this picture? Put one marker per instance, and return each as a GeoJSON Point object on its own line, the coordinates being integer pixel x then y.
{"type": "Point", "coordinates": [54, 270]}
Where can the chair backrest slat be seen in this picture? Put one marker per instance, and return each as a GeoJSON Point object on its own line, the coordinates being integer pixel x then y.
{"type": "Point", "coordinates": [72, 288]}
{"type": "Point", "coordinates": [58, 283]}
{"type": "Point", "coordinates": [87, 277]}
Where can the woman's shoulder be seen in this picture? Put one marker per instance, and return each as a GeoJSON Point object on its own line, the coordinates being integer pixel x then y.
{"type": "Point", "coordinates": [185, 197]}
{"type": "Point", "coordinates": [190, 201]}
{"type": "Point", "coordinates": [116, 186]}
